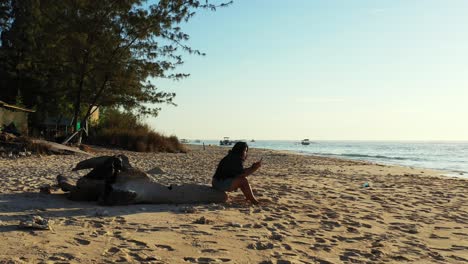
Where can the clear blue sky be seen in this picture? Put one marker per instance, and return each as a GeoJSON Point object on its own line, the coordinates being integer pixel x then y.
{"type": "Point", "coordinates": [324, 70]}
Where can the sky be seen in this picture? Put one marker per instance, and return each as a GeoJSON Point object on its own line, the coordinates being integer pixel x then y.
{"type": "Point", "coordinates": [323, 70]}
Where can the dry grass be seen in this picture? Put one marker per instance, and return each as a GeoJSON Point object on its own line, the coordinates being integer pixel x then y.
{"type": "Point", "coordinates": [86, 148]}
{"type": "Point", "coordinates": [37, 148]}
{"type": "Point", "coordinates": [141, 139]}
{"type": "Point", "coordinates": [125, 130]}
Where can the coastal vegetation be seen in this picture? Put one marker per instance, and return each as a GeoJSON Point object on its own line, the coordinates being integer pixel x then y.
{"type": "Point", "coordinates": [64, 58]}
{"type": "Point", "coordinates": [118, 129]}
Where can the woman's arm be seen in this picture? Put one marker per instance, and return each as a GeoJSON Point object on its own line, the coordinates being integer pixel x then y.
{"type": "Point", "coordinates": [255, 166]}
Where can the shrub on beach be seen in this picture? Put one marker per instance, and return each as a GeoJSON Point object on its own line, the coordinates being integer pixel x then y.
{"type": "Point", "coordinates": [124, 130]}
{"type": "Point", "coordinates": [137, 139]}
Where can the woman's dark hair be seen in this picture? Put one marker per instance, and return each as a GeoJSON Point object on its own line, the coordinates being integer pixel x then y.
{"type": "Point", "coordinates": [238, 148]}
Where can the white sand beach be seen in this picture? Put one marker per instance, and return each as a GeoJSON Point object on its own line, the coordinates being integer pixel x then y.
{"type": "Point", "coordinates": [313, 210]}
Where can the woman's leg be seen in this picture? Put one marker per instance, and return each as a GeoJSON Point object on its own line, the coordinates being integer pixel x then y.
{"type": "Point", "coordinates": [243, 184]}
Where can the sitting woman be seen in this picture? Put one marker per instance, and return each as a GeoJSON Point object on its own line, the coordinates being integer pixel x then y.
{"type": "Point", "coordinates": [231, 175]}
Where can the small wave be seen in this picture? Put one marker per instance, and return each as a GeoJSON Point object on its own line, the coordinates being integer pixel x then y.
{"type": "Point", "coordinates": [364, 156]}
{"type": "Point", "coordinates": [373, 156]}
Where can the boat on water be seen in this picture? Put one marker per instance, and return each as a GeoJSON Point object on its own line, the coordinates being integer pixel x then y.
{"type": "Point", "coordinates": [184, 141]}
{"type": "Point", "coordinates": [253, 140]}
{"type": "Point", "coordinates": [305, 142]}
{"type": "Point", "coordinates": [225, 142]}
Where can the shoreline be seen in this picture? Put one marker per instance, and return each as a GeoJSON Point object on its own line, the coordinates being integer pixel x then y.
{"type": "Point", "coordinates": [444, 172]}
{"type": "Point", "coordinates": [313, 209]}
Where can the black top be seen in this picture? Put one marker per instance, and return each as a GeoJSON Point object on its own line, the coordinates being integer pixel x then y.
{"type": "Point", "coordinates": [229, 167]}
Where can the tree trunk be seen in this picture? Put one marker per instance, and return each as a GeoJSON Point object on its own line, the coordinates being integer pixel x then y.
{"type": "Point", "coordinates": [79, 92]}
{"type": "Point", "coordinates": [95, 100]}
{"type": "Point", "coordinates": [77, 105]}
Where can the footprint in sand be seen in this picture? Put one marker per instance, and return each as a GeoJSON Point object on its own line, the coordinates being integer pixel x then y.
{"type": "Point", "coordinates": [287, 246]}
{"type": "Point", "coordinates": [206, 260]}
{"type": "Point", "coordinates": [280, 226]}
{"type": "Point", "coordinates": [141, 257]}
{"type": "Point", "coordinates": [83, 242]}
{"type": "Point", "coordinates": [276, 236]}
{"type": "Point", "coordinates": [352, 230]}
{"type": "Point", "coordinates": [138, 243]}
{"type": "Point", "coordinates": [120, 220]}
{"type": "Point", "coordinates": [113, 250]}
{"type": "Point", "coordinates": [97, 224]}
{"type": "Point", "coordinates": [165, 247]}
{"type": "Point", "coordinates": [442, 228]}
{"type": "Point", "coordinates": [314, 216]}
{"type": "Point", "coordinates": [319, 260]}
{"type": "Point", "coordinates": [456, 247]}
{"type": "Point", "coordinates": [300, 242]}
{"type": "Point", "coordinates": [407, 228]}
{"type": "Point", "coordinates": [195, 232]}
{"type": "Point", "coordinates": [329, 225]}
{"type": "Point", "coordinates": [366, 225]}
{"type": "Point", "coordinates": [62, 257]}
{"type": "Point", "coordinates": [71, 221]}
{"type": "Point", "coordinates": [260, 245]}
{"type": "Point", "coordinates": [320, 240]}
{"type": "Point", "coordinates": [214, 250]}
{"type": "Point", "coordinates": [354, 255]}
{"type": "Point", "coordinates": [434, 236]}
{"type": "Point", "coordinates": [458, 258]}
{"type": "Point", "coordinates": [352, 239]}
{"type": "Point", "coordinates": [98, 233]}
{"type": "Point", "coordinates": [210, 242]}
{"type": "Point", "coordinates": [320, 246]}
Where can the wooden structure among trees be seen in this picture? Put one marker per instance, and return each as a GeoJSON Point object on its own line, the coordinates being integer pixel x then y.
{"type": "Point", "coordinates": [16, 115]}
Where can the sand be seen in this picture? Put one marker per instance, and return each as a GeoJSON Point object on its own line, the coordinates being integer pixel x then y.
{"type": "Point", "coordinates": [313, 210]}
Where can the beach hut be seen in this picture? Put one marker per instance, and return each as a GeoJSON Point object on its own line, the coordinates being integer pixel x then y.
{"type": "Point", "coordinates": [60, 128]}
{"type": "Point", "coordinates": [14, 118]}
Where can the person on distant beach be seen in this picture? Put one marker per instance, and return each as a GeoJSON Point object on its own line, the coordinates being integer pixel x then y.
{"type": "Point", "coordinates": [231, 174]}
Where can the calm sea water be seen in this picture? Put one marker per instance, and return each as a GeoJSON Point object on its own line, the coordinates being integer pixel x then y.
{"type": "Point", "coordinates": [451, 157]}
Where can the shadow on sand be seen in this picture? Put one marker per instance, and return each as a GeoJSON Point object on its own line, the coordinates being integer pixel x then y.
{"type": "Point", "coordinates": [21, 206]}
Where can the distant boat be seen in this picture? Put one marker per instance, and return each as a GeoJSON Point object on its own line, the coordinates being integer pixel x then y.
{"type": "Point", "coordinates": [253, 140]}
{"type": "Point", "coordinates": [225, 142]}
{"type": "Point", "coordinates": [305, 142]}
{"type": "Point", "coordinates": [184, 141]}
{"type": "Point", "coordinates": [197, 141]}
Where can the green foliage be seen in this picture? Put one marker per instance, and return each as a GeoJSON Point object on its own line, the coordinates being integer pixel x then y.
{"type": "Point", "coordinates": [66, 56]}
{"type": "Point", "coordinates": [114, 118]}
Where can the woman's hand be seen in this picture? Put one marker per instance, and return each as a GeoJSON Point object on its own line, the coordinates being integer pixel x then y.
{"type": "Point", "coordinates": [257, 165]}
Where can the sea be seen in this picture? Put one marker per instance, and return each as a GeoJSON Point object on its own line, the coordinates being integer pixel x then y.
{"type": "Point", "coordinates": [448, 156]}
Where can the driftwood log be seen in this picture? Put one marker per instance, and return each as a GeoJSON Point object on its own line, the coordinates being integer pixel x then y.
{"type": "Point", "coordinates": [113, 181]}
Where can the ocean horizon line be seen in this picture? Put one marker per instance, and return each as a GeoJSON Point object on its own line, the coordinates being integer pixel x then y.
{"type": "Point", "coordinates": [340, 140]}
